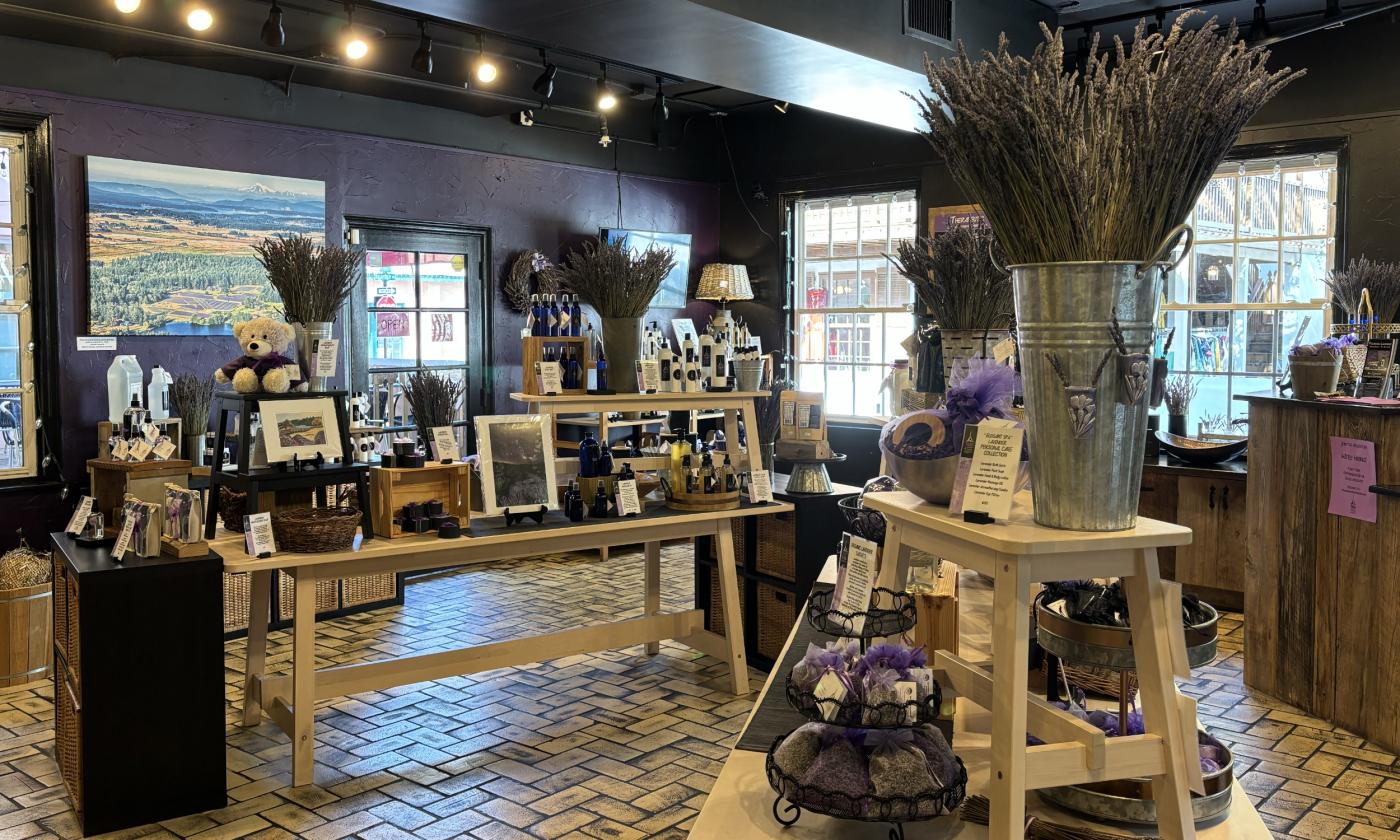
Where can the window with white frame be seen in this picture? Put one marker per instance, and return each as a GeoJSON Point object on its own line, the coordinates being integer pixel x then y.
{"type": "Point", "coordinates": [18, 449]}
{"type": "Point", "coordinates": [1252, 285]}
{"type": "Point", "coordinates": [851, 308]}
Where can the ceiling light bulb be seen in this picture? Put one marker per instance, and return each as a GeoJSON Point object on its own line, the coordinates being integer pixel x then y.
{"type": "Point", "coordinates": [273, 34]}
{"type": "Point", "coordinates": [199, 19]}
{"type": "Point", "coordinates": [356, 48]}
{"type": "Point", "coordinates": [485, 71]}
{"type": "Point", "coordinates": [126, 7]}
{"type": "Point", "coordinates": [606, 99]}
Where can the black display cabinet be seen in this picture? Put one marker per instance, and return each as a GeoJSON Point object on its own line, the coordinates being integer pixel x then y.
{"type": "Point", "coordinates": [778, 557]}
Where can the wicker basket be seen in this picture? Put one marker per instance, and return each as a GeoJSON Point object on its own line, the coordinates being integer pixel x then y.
{"type": "Point", "coordinates": [310, 530]}
{"type": "Point", "coordinates": [714, 621]}
{"type": "Point", "coordinates": [777, 612]}
{"type": "Point", "coordinates": [737, 527]}
{"type": "Point", "coordinates": [969, 344]}
{"type": "Point", "coordinates": [368, 589]}
{"type": "Point", "coordinates": [233, 504]}
{"type": "Point", "coordinates": [327, 596]}
{"type": "Point", "coordinates": [68, 724]}
{"type": "Point", "coordinates": [777, 554]}
{"type": "Point", "coordinates": [236, 597]}
{"type": "Point", "coordinates": [1103, 682]}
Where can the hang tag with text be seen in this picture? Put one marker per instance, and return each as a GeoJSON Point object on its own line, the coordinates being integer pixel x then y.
{"type": "Point", "coordinates": [445, 444]}
{"type": "Point", "coordinates": [120, 450]}
{"type": "Point", "coordinates": [830, 692]}
{"type": "Point", "coordinates": [760, 487]}
{"type": "Point", "coordinates": [628, 502]}
{"type": "Point", "coordinates": [151, 432]}
{"type": "Point", "coordinates": [257, 534]}
{"type": "Point", "coordinates": [140, 450]}
{"type": "Point", "coordinates": [293, 372]}
{"type": "Point", "coordinates": [163, 449]}
{"type": "Point", "coordinates": [79, 517]}
{"type": "Point", "coordinates": [124, 538]}
{"type": "Point", "coordinates": [1003, 350]}
{"type": "Point", "coordinates": [549, 378]}
{"type": "Point", "coordinates": [327, 354]}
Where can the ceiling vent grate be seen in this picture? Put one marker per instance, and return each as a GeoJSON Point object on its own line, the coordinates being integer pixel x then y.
{"type": "Point", "coordinates": [929, 20]}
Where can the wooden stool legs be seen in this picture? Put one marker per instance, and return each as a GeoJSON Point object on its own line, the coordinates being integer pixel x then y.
{"type": "Point", "coordinates": [651, 574]}
{"type": "Point", "coordinates": [259, 605]}
{"type": "Point", "coordinates": [1010, 652]}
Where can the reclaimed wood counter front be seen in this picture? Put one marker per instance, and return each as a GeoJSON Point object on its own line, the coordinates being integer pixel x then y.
{"type": "Point", "coordinates": [1320, 596]}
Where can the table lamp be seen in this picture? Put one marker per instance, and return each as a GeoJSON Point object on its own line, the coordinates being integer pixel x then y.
{"type": "Point", "coordinates": [724, 282]}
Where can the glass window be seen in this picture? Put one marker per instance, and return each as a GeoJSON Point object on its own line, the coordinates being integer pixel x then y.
{"type": "Point", "coordinates": [851, 310]}
{"type": "Point", "coordinates": [1252, 286]}
{"type": "Point", "coordinates": [18, 450]}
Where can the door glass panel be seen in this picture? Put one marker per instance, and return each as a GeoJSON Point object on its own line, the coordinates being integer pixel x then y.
{"type": "Point", "coordinates": [1257, 273]}
{"type": "Point", "coordinates": [1254, 340]}
{"type": "Point", "coordinates": [442, 281]}
{"type": "Point", "coordinates": [444, 337]}
{"type": "Point", "coordinates": [7, 264]}
{"type": "Point", "coordinates": [389, 279]}
{"type": "Point", "coordinates": [1214, 273]}
{"type": "Point", "coordinates": [1307, 203]}
{"type": "Point", "coordinates": [393, 339]}
{"type": "Point", "coordinates": [1210, 341]}
{"type": "Point", "coordinates": [12, 426]}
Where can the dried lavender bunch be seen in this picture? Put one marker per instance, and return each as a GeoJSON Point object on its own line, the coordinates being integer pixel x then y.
{"type": "Point", "coordinates": [956, 278]}
{"type": "Point", "coordinates": [1383, 280]}
{"type": "Point", "coordinates": [1181, 390]}
{"type": "Point", "coordinates": [617, 281]}
{"type": "Point", "coordinates": [434, 398]}
{"type": "Point", "coordinates": [190, 396]}
{"type": "Point", "coordinates": [1098, 166]}
{"type": "Point", "coordinates": [312, 280]}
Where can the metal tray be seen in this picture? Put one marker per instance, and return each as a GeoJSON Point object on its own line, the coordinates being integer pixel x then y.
{"type": "Point", "coordinates": [1112, 647]}
{"type": "Point", "coordinates": [1130, 800]}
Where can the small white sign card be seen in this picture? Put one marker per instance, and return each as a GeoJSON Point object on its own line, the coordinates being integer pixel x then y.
{"type": "Point", "coordinates": [990, 479]}
{"type": "Point", "coordinates": [853, 594]}
{"type": "Point", "coordinates": [257, 534]}
{"type": "Point", "coordinates": [628, 502]}
{"type": "Point", "coordinates": [648, 375]}
{"type": "Point", "coordinates": [123, 542]}
{"type": "Point", "coordinates": [327, 354]}
{"type": "Point", "coordinates": [549, 378]}
{"type": "Point", "coordinates": [760, 486]}
{"type": "Point", "coordinates": [79, 517]}
{"type": "Point", "coordinates": [907, 692]}
{"type": "Point", "coordinates": [445, 446]}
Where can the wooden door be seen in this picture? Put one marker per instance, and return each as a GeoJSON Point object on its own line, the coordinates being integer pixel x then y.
{"type": "Point", "coordinates": [1214, 563]}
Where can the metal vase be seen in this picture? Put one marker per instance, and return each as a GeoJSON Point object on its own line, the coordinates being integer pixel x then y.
{"type": "Point", "coordinates": [192, 448]}
{"type": "Point", "coordinates": [306, 337]}
{"type": "Point", "coordinates": [622, 344]}
{"type": "Point", "coordinates": [1087, 481]}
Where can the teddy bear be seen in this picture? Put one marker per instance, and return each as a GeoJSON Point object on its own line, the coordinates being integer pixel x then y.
{"type": "Point", "coordinates": [262, 367]}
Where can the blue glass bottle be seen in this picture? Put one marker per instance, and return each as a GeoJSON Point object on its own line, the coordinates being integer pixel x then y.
{"type": "Point", "coordinates": [553, 315]}
{"type": "Point", "coordinates": [588, 452]}
{"type": "Point", "coordinates": [575, 318]}
{"type": "Point", "coordinates": [602, 370]}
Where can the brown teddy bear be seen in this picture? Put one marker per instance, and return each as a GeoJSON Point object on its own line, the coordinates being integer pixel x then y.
{"type": "Point", "coordinates": [262, 367]}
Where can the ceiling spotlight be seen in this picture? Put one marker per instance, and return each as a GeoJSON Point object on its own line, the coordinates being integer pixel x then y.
{"type": "Point", "coordinates": [126, 7]}
{"type": "Point", "coordinates": [199, 18]}
{"type": "Point", "coordinates": [423, 56]}
{"type": "Point", "coordinates": [606, 99]}
{"type": "Point", "coordinates": [544, 85]}
{"type": "Point", "coordinates": [355, 46]}
{"type": "Point", "coordinates": [604, 139]}
{"type": "Point", "coordinates": [660, 111]}
{"type": "Point", "coordinates": [525, 118]}
{"type": "Point", "coordinates": [272, 32]}
{"type": "Point", "coordinates": [1259, 27]}
{"type": "Point", "coordinates": [782, 107]}
{"type": "Point", "coordinates": [485, 71]}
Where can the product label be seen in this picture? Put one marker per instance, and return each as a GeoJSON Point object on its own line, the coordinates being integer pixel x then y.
{"type": "Point", "coordinates": [648, 375]}
{"type": "Point", "coordinates": [257, 534]}
{"type": "Point", "coordinates": [628, 502]}
{"type": "Point", "coordinates": [830, 693]}
{"type": "Point", "coordinates": [760, 486]}
{"type": "Point", "coordinates": [120, 449]}
{"type": "Point", "coordinates": [119, 548]}
{"type": "Point", "coordinates": [907, 693]}
{"type": "Point", "coordinates": [96, 342]}
{"type": "Point", "coordinates": [79, 517]}
{"type": "Point", "coordinates": [445, 444]}
{"type": "Point", "coordinates": [860, 564]}
{"type": "Point", "coordinates": [549, 378]}
{"type": "Point", "coordinates": [140, 450]}
{"type": "Point", "coordinates": [991, 474]}
{"type": "Point", "coordinates": [327, 352]}
{"type": "Point", "coordinates": [164, 449]}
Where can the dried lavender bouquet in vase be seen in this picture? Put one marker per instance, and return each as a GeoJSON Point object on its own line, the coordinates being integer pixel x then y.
{"type": "Point", "coordinates": [1086, 176]}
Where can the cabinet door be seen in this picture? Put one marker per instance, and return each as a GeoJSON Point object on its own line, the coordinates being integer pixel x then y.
{"type": "Point", "coordinates": [1214, 511]}
{"type": "Point", "coordinates": [1158, 501]}
{"type": "Point", "coordinates": [1232, 533]}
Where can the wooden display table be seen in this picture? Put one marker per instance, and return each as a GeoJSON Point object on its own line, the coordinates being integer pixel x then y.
{"type": "Point", "coordinates": [291, 700]}
{"type": "Point", "coordinates": [740, 805]}
{"type": "Point", "coordinates": [1016, 554]}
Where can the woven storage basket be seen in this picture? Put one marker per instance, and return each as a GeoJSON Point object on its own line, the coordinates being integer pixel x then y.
{"type": "Point", "coordinates": [236, 595]}
{"type": "Point", "coordinates": [736, 527]}
{"type": "Point", "coordinates": [310, 530]}
{"type": "Point", "coordinates": [367, 589]}
{"type": "Point", "coordinates": [68, 726]}
{"type": "Point", "coordinates": [232, 505]}
{"type": "Point", "coordinates": [60, 607]}
{"type": "Point", "coordinates": [777, 612]}
{"type": "Point", "coordinates": [327, 596]}
{"type": "Point", "coordinates": [777, 553]}
{"type": "Point", "coordinates": [714, 622]}
{"type": "Point", "coordinates": [1095, 680]}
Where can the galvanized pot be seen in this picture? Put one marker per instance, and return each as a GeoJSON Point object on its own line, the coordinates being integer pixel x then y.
{"type": "Point", "coordinates": [306, 337]}
{"type": "Point", "coordinates": [1086, 442]}
{"type": "Point", "coordinates": [622, 343]}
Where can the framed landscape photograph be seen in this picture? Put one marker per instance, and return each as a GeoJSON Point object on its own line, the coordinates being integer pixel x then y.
{"type": "Point", "coordinates": [516, 453]}
{"type": "Point", "coordinates": [304, 428]}
{"type": "Point", "coordinates": [170, 248]}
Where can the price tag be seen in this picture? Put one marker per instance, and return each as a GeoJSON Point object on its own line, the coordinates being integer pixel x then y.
{"type": "Point", "coordinates": [760, 487]}
{"type": "Point", "coordinates": [140, 449]}
{"type": "Point", "coordinates": [549, 378]}
{"type": "Point", "coordinates": [97, 342]}
{"type": "Point", "coordinates": [257, 534]}
{"type": "Point", "coordinates": [164, 449]}
{"type": "Point", "coordinates": [327, 354]}
{"type": "Point", "coordinates": [124, 537]}
{"type": "Point", "coordinates": [648, 375]}
{"type": "Point", "coordinates": [628, 502]}
{"type": "Point", "coordinates": [120, 449]}
{"type": "Point", "coordinates": [1003, 350]}
{"type": "Point", "coordinates": [79, 517]}
{"type": "Point", "coordinates": [445, 444]}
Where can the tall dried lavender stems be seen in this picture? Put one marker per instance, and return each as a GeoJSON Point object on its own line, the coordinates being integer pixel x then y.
{"type": "Point", "coordinates": [434, 399]}
{"type": "Point", "coordinates": [1100, 166]}
{"type": "Point", "coordinates": [190, 396]}
{"type": "Point", "coordinates": [770, 410]}
{"type": "Point", "coordinates": [1383, 280]}
{"type": "Point", "coordinates": [617, 281]}
{"type": "Point", "coordinates": [313, 280]}
{"type": "Point", "coordinates": [955, 277]}
{"type": "Point", "coordinates": [1181, 390]}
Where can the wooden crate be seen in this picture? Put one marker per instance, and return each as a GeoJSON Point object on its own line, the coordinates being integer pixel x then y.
{"type": "Point", "coordinates": [937, 627]}
{"type": "Point", "coordinates": [112, 480]}
{"type": "Point", "coordinates": [390, 488]}
{"type": "Point", "coordinates": [170, 426]}
{"type": "Point", "coordinates": [26, 629]}
{"type": "Point", "coordinates": [532, 350]}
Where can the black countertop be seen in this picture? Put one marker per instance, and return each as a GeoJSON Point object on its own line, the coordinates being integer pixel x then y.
{"type": "Point", "coordinates": [98, 559]}
{"type": "Point", "coordinates": [1165, 463]}
{"type": "Point", "coordinates": [1319, 404]}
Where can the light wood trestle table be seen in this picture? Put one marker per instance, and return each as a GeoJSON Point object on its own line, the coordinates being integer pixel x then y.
{"type": "Point", "coordinates": [1016, 554]}
{"type": "Point", "coordinates": [290, 700]}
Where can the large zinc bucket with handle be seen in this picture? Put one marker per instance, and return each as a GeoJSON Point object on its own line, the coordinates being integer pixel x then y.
{"type": "Point", "coordinates": [1086, 413]}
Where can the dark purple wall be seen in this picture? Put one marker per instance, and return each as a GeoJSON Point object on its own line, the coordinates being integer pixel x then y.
{"type": "Point", "coordinates": [525, 203]}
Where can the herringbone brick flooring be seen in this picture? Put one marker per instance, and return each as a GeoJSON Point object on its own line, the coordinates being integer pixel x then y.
{"type": "Point", "coordinates": [611, 745]}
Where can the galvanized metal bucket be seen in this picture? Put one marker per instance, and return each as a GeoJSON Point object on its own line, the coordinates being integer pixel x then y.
{"type": "Point", "coordinates": [307, 335]}
{"type": "Point", "coordinates": [1085, 436]}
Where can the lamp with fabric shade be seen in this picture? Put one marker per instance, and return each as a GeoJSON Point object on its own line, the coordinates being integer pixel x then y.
{"type": "Point", "coordinates": [724, 282]}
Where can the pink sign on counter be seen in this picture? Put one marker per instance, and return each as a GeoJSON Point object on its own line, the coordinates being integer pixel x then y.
{"type": "Point", "coordinates": [1353, 473]}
